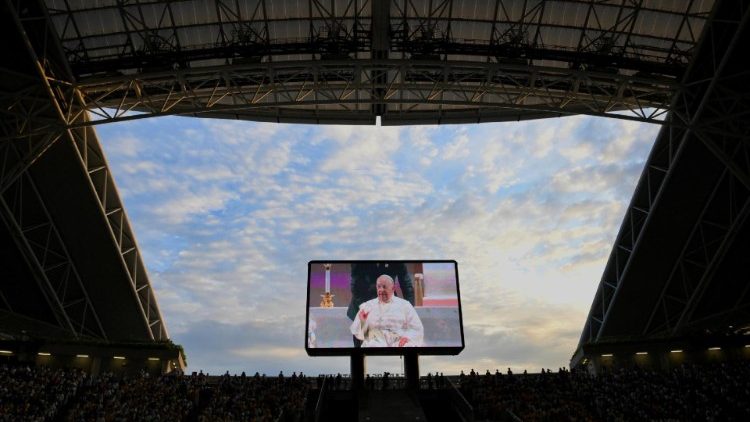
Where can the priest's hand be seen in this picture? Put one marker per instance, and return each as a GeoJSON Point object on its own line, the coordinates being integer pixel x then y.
{"type": "Point", "coordinates": [363, 315]}
{"type": "Point", "coordinates": [403, 341]}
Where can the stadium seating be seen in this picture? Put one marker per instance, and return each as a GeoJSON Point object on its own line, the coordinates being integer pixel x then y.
{"type": "Point", "coordinates": [691, 392]}
{"type": "Point", "coordinates": [41, 394]}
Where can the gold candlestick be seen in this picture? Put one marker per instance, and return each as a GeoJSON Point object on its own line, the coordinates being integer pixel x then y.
{"type": "Point", "coordinates": [327, 301]}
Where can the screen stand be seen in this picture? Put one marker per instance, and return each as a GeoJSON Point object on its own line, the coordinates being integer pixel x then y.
{"type": "Point", "coordinates": [358, 371]}
{"type": "Point", "coordinates": [411, 371]}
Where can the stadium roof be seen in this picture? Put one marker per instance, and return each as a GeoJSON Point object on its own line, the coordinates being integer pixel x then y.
{"type": "Point", "coordinates": [72, 64]}
{"type": "Point", "coordinates": [410, 62]}
{"type": "Point", "coordinates": [679, 263]}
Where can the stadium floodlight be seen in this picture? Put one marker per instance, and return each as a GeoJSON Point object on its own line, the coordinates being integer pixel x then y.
{"type": "Point", "coordinates": [118, 357]}
{"type": "Point", "coordinates": [641, 353]}
{"type": "Point", "coordinates": [6, 352]}
{"type": "Point", "coordinates": [607, 355]}
{"type": "Point", "coordinates": [152, 359]}
{"type": "Point", "coordinates": [44, 354]}
{"type": "Point", "coordinates": [82, 356]}
{"type": "Point", "coordinates": [675, 351]}
{"type": "Point", "coordinates": [714, 348]}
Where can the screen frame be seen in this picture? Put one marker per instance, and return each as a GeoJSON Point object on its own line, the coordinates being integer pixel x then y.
{"type": "Point", "coordinates": [383, 351]}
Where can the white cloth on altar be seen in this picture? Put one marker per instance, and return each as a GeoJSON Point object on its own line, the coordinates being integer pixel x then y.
{"type": "Point", "coordinates": [386, 323]}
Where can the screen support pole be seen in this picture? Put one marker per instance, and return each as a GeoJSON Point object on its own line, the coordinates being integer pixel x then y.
{"type": "Point", "coordinates": [358, 371]}
{"type": "Point", "coordinates": [411, 370]}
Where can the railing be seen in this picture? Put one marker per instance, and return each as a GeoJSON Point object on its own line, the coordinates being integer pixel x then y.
{"type": "Point", "coordinates": [513, 415]}
{"type": "Point", "coordinates": [321, 400]}
{"type": "Point", "coordinates": [459, 402]}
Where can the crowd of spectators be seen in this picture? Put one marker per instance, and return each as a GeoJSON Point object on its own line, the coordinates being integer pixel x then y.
{"type": "Point", "coordinates": [718, 392]}
{"type": "Point", "coordinates": [337, 382]}
{"type": "Point", "coordinates": [35, 394]}
{"type": "Point", "coordinates": [142, 398]}
{"type": "Point", "coordinates": [690, 392]}
{"type": "Point", "coordinates": [43, 394]}
{"type": "Point", "coordinates": [260, 398]}
{"type": "Point", "coordinates": [526, 396]}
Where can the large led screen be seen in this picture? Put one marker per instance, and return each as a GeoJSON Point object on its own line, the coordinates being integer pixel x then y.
{"type": "Point", "coordinates": [383, 308]}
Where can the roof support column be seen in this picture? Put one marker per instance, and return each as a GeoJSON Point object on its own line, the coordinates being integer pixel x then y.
{"type": "Point", "coordinates": [381, 43]}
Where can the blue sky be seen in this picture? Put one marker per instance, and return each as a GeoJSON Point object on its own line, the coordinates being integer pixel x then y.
{"type": "Point", "coordinates": [227, 214]}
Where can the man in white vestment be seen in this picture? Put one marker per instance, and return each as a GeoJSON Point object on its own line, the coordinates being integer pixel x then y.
{"type": "Point", "coordinates": [387, 320]}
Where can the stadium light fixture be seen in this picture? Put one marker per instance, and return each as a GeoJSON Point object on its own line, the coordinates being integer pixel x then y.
{"type": "Point", "coordinates": [675, 351]}
{"type": "Point", "coordinates": [44, 354]}
{"type": "Point", "coordinates": [6, 352]}
{"type": "Point", "coordinates": [607, 355]}
{"type": "Point", "coordinates": [714, 348]}
{"type": "Point", "coordinates": [641, 353]}
{"type": "Point", "coordinates": [118, 357]}
{"type": "Point", "coordinates": [153, 358]}
{"type": "Point", "coordinates": [82, 356]}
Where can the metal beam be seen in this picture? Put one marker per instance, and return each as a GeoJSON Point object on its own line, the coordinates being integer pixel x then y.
{"type": "Point", "coordinates": [688, 109]}
{"type": "Point", "coordinates": [701, 255]}
{"type": "Point", "coordinates": [658, 170]}
{"type": "Point", "coordinates": [91, 158]}
{"type": "Point", "coordinates": [342, 85]}
{"type": "Point", "coordinates": [515, 69]}
{"type": "Point", "coordinates": [380, 34]}
{"type": "Point", "coordinates": [34, 231]}
{"type": "Point", "coordinates": [64, 104]}
{"type": "Point", "coordinates": [716, 255]}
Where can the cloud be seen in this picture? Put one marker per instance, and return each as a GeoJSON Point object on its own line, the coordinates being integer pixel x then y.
{"type": "Point", "coordinates": [269, 352]}
{"type": "Point", "coordinates": [265, 346]}
{"type": "Point", "coordinates": [366, 151]}
{"type": "Point", "coordinates": [457, 148]}
{"type": "Point", "coordinates": [178, 207]}
{"type": "Point", "coordinates": [125, 146]}
{"type": "Point", "coordinates": [228, 214]}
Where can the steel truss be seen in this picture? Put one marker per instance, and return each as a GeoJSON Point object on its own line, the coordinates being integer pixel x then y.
{"type": "Point", "coordinates": [149, 34]}
{"type": "Point", "coordinates": [604, 44]}
{"type": "Point", "coordinates": [400, 59]}
{"type": "Point", "coordinates": [33, 119]}
{"type": "Point", "coordinates": [91, 158]}
{"type": "Point", "coordinates": [712, 110]}
{"type": "Point", "coordinates": [277, 90]}
{"type": "Point", "coordinates": [718, 226]}
{"type": "Point", "coordinates": [23, 211]}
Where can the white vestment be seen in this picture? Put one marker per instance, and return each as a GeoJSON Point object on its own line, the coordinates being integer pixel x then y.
{"type": "Point", "coordinates": [386, 323]}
